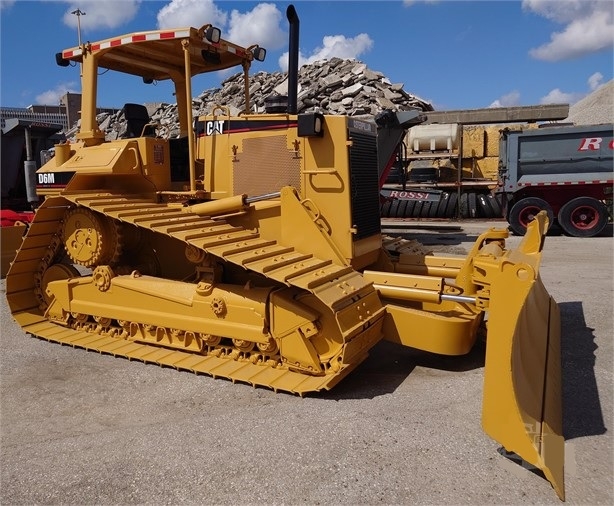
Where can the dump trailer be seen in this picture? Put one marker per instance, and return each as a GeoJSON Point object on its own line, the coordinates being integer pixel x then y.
{"type": "Point", "coordinates": [250, 248]}
{"type": "Point", "coordinates": [566, 171]}
{"type": "Point", "coordinates": [447, 167]}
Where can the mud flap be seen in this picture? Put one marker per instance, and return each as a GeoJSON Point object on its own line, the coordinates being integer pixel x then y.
{"type": "Point", "coordinates": [522, 405]}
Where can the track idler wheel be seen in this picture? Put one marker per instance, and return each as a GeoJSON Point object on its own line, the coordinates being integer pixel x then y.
{"type": "Point", "coordinates": [55, 272]}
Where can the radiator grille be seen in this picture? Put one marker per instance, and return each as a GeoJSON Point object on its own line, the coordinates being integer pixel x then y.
{"type": "Point", "coordinates": [264, 166]}
{"type": "Point", "coordinates": [364, 185]}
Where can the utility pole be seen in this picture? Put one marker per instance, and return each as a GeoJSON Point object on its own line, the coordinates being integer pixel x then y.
{"type": "Point", "coordinates": [79, 13]}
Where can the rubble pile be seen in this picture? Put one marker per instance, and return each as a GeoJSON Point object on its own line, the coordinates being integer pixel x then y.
{"type": "Point", "coordinates": [596, 108]}
{"type": "Point", "coordinates": [336, 86]}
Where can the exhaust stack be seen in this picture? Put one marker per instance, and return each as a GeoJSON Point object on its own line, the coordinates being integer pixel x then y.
{"type": "Point", "coordinates": [293, 59]}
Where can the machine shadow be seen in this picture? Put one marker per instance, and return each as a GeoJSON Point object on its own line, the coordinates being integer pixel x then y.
{"type": "Point", "coordinates": [439, 237]}
{"type": "Point", "coordinates": [389, 364]}
{"type": "Point", "coordinates": [582, 414]}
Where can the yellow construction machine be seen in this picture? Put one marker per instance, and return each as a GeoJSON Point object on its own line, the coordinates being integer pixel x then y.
{"type": "Point", "coordinates": [250, 248]}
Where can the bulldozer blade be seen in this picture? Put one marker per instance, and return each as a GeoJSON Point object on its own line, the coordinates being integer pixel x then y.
{"type": "Point", "coordinates": [522, 405]}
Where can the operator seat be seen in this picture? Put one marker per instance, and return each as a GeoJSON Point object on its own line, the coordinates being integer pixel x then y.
{"type": "Point", "coordinates": [136, 118]}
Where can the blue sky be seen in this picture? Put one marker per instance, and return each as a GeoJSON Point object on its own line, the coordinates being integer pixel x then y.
{"type": "Point", "coordinates": [453, 54]}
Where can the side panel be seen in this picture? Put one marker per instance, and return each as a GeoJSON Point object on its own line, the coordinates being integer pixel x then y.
{"type": "Point", "coordinates": [143, 156]}
{"type": "Point", "coordinates": [557, 155]}
{"type": "Point", "coordinates": [250, 155]}
{"type": "Point", "coordinates": [340, 182]}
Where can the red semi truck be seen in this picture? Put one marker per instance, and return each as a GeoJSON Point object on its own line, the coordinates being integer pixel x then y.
{"type": "Point", "coordinates": [565, 170]}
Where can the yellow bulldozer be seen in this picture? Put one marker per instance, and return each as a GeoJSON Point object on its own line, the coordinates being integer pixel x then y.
{"type": "Point", "coordinates": [250, 248]}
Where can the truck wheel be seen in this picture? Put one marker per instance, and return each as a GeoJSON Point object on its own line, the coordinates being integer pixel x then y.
{"type": "Point", "coordinates": [583, 217]}
{"type": "Point", "coordinates": [523, 212]}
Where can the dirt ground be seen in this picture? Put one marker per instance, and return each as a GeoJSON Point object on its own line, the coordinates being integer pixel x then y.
{"type": "Point", "coordinates": [404, 428]}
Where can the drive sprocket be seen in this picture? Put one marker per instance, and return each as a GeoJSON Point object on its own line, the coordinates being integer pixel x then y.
{"type": "Point", "coordinates": [89, 238]}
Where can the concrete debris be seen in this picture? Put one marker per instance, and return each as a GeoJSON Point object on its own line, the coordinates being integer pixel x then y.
{"type": "Point", "coordinates": [336, 86]}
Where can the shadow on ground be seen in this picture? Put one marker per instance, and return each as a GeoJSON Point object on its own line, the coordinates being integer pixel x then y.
{"type": "Point", "coordinates": [582, 414]}
{"type": "Point", "coordinates": [389, 364]}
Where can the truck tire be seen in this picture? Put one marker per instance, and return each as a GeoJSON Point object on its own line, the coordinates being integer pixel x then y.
{"type": "Point", "coordinates": [417, 212]}
{"type": "Point", "coordinates": [583, 217]}
{"type": "Point", "coordinates": [443, 205]}
{"type": "Point", "coordinates": [451, 211]}
{"type": "Point", "coordinates": [473, 205]}
{"type": "Point", "coordinates": [394, 207]}
{"type": "Point", "coordinates": [401, 209]}
{"type": "Point", "coordinates": [484, 207]}
{"type": "Point", "coordinates": [426, 209]}
{"type": "Point", "coordinates": [523, 212]}
{"type": "Point", "coordinates": [489, 206]}
{"type": "Point", "coordinates": [386, 209]}
{"type": "Point", "coordinates": [463, 206]}
{"type": "Point", "coordinates": [496, 205]}
{"type": "Point", "coordinates": [434, 208]}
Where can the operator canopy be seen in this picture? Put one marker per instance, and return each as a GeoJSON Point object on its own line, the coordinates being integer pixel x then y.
{"type": "Point", "coordinates": [159, 55]}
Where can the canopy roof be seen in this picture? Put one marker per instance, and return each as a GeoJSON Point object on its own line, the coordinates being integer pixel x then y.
{"type": "Point", "coordinates": [159, 54]}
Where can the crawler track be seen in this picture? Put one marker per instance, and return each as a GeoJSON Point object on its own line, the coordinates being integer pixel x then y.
{"type": "Point", "coordinates": [337, 287]}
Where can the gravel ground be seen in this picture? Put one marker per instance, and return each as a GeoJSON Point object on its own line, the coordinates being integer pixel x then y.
{"type": "Point", "coordinates": [404, 428]}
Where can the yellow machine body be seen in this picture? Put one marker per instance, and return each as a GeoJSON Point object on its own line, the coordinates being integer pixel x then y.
{"type": "Point", "coordinates": [260, 257]}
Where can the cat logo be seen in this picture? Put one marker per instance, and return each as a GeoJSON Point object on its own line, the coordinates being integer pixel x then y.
{"type": "Point", "coordinates": [214, 127]}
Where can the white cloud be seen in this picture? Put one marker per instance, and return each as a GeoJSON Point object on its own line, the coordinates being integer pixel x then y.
{"type": "Point", "coordinates": [100, 13]}
{"type": "Point", "coordinates": [180, 13]}
{"type": "Point", "coordinates": [52, 97]}
{"type": "Point", "coordinates": [509, 100]}
{"type": "Point", "coordinates": [5, 4]}
{"type": "Point", "coordinates": [589, 27]}
{"type": "Point", "coordinates": [260, 26]}
{"type": "Point", "coordinates": [333, 45]}
{"type": "Point", "coordinates": [595, 81]}
{"type": "Point", "coordinates": [557, 96]}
